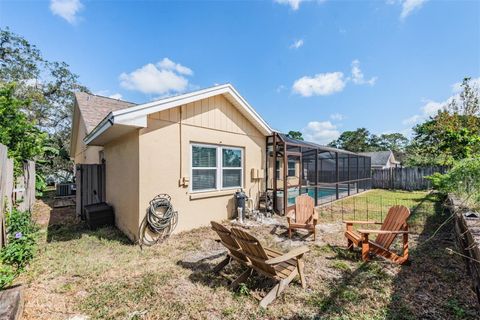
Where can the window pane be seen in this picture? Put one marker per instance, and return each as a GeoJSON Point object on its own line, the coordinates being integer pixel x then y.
{"type": "Point", "coordinates": [232, 158]}
{"type": "Point", "coordinates": [204, 179]}
{"type": "Point", "coordinates": [232, 178]}
{"type": "Point", "coordinates": [291, 168]}
{"type": "Point", "coordinates": [204, 157]}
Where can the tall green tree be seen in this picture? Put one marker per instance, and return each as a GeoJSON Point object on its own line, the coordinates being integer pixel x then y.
{"type": "Point", "coordinates": [452, 134]}
{"type": "Point", "coordinates": [20, 134]}
{"type": "Point", "coordinates": [295, 135]}
{"type": "Point", "coordinates": [395, 142]}
{"type": "Point", "coordinates": [355, 141]}
{"type": "Point", "coordinates": [50, 87]}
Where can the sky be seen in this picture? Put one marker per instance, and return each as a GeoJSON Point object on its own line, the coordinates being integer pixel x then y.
{"type": "Point", "coordinates": [319, 67]}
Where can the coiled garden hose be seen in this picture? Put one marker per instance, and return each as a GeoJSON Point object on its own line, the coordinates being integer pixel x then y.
{"type": "Point", "coordinates": [160, 221]}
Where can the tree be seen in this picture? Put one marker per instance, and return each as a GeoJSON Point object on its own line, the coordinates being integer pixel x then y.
{"type": "Point", "coordinates": [395, 142]}
{"type": "Point", "coordinates": [355, 141]}
{"type": "Point", "coordinates": [467, 103]}
{"type": "Point", "coordinates": [22, 137]}
{"type": "Point", "coordinates": [295, 135]}
{"type": "Point", "coordinates": [50, 87]}
{"type": "Point", "coordinates": [452, 134]}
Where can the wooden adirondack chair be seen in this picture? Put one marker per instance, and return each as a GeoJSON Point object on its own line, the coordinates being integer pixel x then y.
{"type": "Point", "coordinates": [394, 224]}
{"type": "Point", "coordinates": [234, 250]}
{"type": "Point", "coordinates": [281, 267]}
{"type": "Point", "coordinates": [304, 216]}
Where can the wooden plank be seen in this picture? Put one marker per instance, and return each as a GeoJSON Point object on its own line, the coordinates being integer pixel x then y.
{"type": "Point", "coordinates": [3, 180]}
{"type": "Point", "coordinates": [90, 185]}
{"type": "Point", "coordinates": [411, 178]}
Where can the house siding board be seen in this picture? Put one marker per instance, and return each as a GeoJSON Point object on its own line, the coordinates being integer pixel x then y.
{"type": "Point", "coordinates": [162, 163]}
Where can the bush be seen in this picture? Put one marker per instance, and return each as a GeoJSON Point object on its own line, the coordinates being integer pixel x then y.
{"type": "Point", "coordinates": [7, 275]}
{"type": "Point", "coordinates": [21, 236]}
{"type": "Point", "coordinates": [463, 180]}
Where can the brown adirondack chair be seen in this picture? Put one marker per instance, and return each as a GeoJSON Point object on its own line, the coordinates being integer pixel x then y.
{"type": "Point", "coordinates": [395, 223]}
{"type": "Point", "coordinates": [281, 267]}
{"type": "Point", "coordinates": [234, 250]}
{"type": "Point", "coordinates": [304, 216]}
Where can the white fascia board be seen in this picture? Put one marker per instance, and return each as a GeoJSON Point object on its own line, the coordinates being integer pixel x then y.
{"type": "Point", "coordinates": [126, 115]}
{"type": "Point", "coordinates": [136, 116]}
{"type": "Point", "coordinates": [106, 123]}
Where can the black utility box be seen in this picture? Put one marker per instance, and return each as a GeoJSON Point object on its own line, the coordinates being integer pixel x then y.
{"type": "Point", "coordinates": [99, 215]}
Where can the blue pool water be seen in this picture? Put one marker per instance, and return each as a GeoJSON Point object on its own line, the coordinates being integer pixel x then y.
{"type": "Point", "coordinates": [322, 193]}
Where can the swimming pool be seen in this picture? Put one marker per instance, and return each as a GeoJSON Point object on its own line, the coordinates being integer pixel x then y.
{"type": "Point", "coordinates": [323, 193]}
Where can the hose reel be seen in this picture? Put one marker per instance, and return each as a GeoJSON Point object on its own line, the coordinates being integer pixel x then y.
{"type": "Point", "coordinates": [159, 222]}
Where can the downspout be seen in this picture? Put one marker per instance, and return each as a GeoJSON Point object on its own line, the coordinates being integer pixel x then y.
{"type": "Point", "coordinates": [181, 182]}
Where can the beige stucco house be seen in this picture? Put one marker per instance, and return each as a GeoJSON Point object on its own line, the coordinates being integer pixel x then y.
{"type": "Point", "coordinates": [198, 147]}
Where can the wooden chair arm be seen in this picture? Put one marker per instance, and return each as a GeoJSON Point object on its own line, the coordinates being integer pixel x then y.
{"type": "Point", "coordinates": [315, 215]}
{"type": "Point", "coordinates": [291, 214]}
{"type": "Point", "coordinates": [367, 231]}
{"type": "Point", "coordinates": [361, 222]}
{"type": "Point", "coordinates": [295, 253]}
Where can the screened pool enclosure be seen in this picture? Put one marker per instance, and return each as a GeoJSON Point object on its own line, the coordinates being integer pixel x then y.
{"type": "Point", "coordinates": [296, 167]}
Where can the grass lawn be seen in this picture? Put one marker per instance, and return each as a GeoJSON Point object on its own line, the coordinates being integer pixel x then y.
{"type": "Point", "coordinates": [101, 275]}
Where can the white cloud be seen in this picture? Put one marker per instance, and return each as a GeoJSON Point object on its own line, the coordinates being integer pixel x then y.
{"type": "Point", "coordinates": [337, 116]}
{"type": "Point", "coordinates": [67, 9]}
{"type": "Point", "coordinates": [294, 4]}
{"type": "Point", "coordinates": [117, 96]}
{"type": "Point", "coordinates": [429, 109]}
{"type": "Point", "coordinates": [324, 84]}
{"type": "Point", "coordinates": [170, 65]}
{"type": "Point", "coordinates": [457, 87]}
{"type": "Point", "coordinates": [321, 84]}
{"type": "Point", "coordinates": [280, 88]}
{"type": "Point", "coordinates": [296, 44]}
{"type": "Point", "coordinates": [357, 75]}
{"type": "Point", "coordinates": [408, 6]}
{"type": "Point", "coordinates": [163, 78]}
{"type": "Point", "coordinates": [321, 132]}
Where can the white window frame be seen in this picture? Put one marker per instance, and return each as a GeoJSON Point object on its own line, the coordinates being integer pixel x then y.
{"type": "Point", "coordinates": [219, 168]}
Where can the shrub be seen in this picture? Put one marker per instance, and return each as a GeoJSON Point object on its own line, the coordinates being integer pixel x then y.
{"type": "Point", "coordinates": [463, 180]}
{"type": "Point", "coordinates": [7, 275]}
{"type": "Point", "coordinates": [21, 246]}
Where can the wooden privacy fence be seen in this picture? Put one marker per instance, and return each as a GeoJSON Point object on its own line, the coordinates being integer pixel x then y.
{"type": "Point", "coordinates": [19, 192]}
{"type": "Point", "coordinates": [408, 178]}
{"type": "Point", "coordinates": [90, 180]}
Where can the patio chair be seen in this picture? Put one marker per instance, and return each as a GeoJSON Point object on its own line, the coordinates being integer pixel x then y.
{"type": "Point", "coordinates": [234, 250]}
{"type": "Point", "coordinates": [394, 224]}
{"type": "Point", "coordinates": [304, 216]}
{"type": "Point", "coordinates": [281, 267]}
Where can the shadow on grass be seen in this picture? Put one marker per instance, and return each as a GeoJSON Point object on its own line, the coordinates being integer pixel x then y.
{"type": "Point", "coordinates": [435, 285]}
{"type": "Point", "coordinates": [202, 271]}
{"type": "Point", "coordinates": [64, 225]}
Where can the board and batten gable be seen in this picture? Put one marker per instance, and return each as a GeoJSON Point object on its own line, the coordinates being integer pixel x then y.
{"type": "Point", "coordinates": [165, 158]}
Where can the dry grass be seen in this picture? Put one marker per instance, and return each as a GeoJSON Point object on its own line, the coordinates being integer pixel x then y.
{"type": "Point", "coordinates": [102, 275]}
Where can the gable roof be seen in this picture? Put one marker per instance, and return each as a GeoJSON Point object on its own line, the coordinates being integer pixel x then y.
{"type": "Point", "coordinates": [94, 108]}
{"type": "Point", "coordinates": [379, 158]}
{"type": "Point", "coordinates": [119, 122]}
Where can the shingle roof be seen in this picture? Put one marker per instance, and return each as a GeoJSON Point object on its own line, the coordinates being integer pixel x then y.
{"type": "Point", "coordinates": [379, 158]}
{"type": "Point", "coordinates": [94, 108]}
